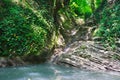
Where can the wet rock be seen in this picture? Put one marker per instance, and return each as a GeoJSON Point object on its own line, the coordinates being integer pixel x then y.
{"type": "Point", "coordinates": [6, 61]}
{"type": "Point", "coordinates": [3, 62]}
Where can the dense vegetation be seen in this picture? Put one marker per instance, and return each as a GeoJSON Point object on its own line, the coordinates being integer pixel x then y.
{"type": "Point", "coordinates": [84, 8]}
{"type": "Point", "coordinates": [29, 26]}
{"type": "Point", "coordinates": [109, 25]}
{"type": "Point", "coordinates": [23, 29]}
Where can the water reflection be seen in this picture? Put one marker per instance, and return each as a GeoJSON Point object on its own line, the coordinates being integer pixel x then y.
{"type": "Point", "coordinates": [52, 72]}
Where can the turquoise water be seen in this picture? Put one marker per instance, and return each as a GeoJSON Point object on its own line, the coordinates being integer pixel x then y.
{"type": "Point", "coordinates": [52, 72]}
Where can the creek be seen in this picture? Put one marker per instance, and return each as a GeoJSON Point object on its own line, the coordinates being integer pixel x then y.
{"type": "Point", "coordinates": [49, 71]}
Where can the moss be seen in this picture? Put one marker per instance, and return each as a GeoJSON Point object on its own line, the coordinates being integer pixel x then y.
{"type": "Point", "coordinates": [85, 56]}
{"type": "Point", "coordinates": [83, 47]}
{"type": "Point", "coordinates": [115, 57]}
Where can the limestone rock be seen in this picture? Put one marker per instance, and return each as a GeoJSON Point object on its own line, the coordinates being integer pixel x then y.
{"type": "Point", "coordinates": [89, 55]}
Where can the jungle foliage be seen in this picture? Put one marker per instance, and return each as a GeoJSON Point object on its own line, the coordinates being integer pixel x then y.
{"type": "Point", "coordinates": [23, 29]}
{"type": "Point", "coordinates": [84, 8]}
{"type": "Point", "coordinates": [109, 25]}
{"type": "Point", "coordinates": [27, 26]}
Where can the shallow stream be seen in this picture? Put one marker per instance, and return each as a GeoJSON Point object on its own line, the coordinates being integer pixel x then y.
{"type": "Point", "coordinates": [53, 72]}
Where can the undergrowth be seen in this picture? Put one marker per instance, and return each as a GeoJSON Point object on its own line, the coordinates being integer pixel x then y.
{"type": "Point", "coordinates": [23, 30]}
{"type": "Point", "coordinates": [109, 25]}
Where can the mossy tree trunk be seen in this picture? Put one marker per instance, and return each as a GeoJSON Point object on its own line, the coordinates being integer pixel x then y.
{"type": "Point", "coordinates": [58, 4]}
{"type": "Point", "coordinates": [93, 5]}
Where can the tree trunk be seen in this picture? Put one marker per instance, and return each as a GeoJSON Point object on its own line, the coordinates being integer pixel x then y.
{"type": "Point", "coordinates": [93, 5]}
{"type": "Point", "coordinates": [58, 4]}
